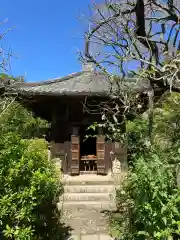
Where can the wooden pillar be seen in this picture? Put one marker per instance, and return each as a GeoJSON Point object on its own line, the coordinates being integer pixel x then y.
{"type": "Point", "coordinates": [58, 146]}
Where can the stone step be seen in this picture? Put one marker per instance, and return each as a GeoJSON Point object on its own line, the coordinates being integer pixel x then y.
{"type": "Point", "coordinates": [96, 236]}
{"type": "Point", "coordinates": [89, 189]}
{"type": "Point", "coordinates": [88, 180]}
{"type": "Point", "coordinates": [87, 197]}
{"type": "Point", "coordinates": [104, 205]}
{"type": "Point", "coordinates": [101, 221]}
{"type": "Point", "coordinates": [82, 183]}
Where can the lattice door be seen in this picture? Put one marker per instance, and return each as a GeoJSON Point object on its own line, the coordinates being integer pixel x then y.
{"type": "Point", "coordinates": [75, 154]}
{"type": "Point", "coordinates": [100, 148]}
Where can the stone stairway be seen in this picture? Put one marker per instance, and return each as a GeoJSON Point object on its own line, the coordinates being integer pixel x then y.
{"type": "Point", "coordinates": [85, 200]}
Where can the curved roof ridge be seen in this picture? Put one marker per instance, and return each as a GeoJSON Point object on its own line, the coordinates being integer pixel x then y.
{"type": "Point", "coordinates": [55, 80]}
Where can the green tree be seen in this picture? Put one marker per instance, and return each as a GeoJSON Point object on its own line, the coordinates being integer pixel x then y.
{"type": "Point", "coordinates": [17, 119]}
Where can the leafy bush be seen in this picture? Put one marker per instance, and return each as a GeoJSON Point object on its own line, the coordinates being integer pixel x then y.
{"type": "Point", "coordinates": [29, 184]}
{"type": "Point", "coordinates": [149, 202]}
{"type": "Point", "coordinates": [29, 188]}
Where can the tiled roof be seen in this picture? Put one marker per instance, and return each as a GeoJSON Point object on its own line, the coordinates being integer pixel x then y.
{"type": "Point", "coordinates": [82, 83]}
{"type": "Point", "coordinates": [85, 83]}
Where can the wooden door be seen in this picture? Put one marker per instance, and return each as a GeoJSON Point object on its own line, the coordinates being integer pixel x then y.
{"type": "Point", "coordinates": [100, 148]}
{"type": "Point", "coordinates": [75, 154]}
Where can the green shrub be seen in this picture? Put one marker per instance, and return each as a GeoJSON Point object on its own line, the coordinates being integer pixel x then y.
{"type": "Point", "coordinates": [29, 188]}
{"type": "Point", "coordinates": [149, 201]}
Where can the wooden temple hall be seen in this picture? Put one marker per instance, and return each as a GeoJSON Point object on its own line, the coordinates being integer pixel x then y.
{"type": "Point", "coordinates": [66, 103]}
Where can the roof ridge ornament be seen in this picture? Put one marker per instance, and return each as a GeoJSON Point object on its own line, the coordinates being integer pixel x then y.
{"type": "Point", "coordinates": [88, 67]}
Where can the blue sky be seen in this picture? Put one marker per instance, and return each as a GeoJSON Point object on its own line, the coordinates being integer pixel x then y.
{"type": "Point", "coordinates": [45, 37]}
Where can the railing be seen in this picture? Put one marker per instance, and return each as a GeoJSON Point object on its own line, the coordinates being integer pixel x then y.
{"type": "Point", "coordinates": [88, 163]}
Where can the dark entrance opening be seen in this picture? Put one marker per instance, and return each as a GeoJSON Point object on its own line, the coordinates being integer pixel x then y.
{"type": "Point", "coordinates": [87, 142]}
{"type": "Point", "coordinates": [88, 158]}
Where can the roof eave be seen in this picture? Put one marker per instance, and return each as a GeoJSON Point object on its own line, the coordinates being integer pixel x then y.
{"type": "Point", "coordinates": [63, 94]}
